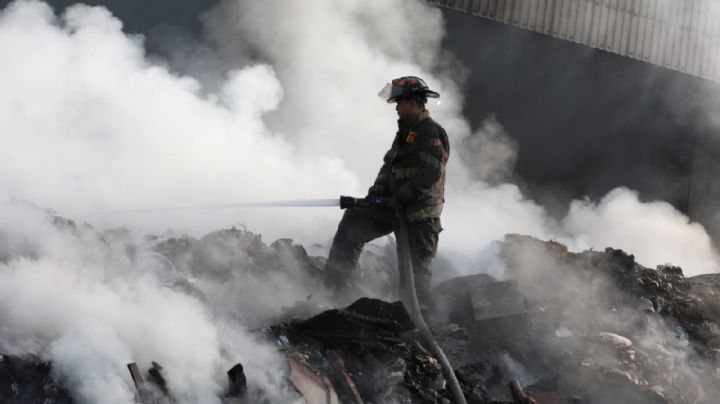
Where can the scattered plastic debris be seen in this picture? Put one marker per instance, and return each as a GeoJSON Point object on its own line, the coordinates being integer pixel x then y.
{"type": "Point", "coordinates": [563, 333]}
{"type": "Point", "coordinates": [618, 341]}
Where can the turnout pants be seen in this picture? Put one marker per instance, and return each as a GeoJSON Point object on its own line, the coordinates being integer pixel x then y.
{"type": "Point", "coordinates": [360, 225]}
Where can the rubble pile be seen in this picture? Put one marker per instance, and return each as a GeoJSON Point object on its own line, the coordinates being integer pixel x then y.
{"type": "Point", "coordinates": [225, 251]}
{"type": "Point", "coordinates": [593, 327]}
{"type": "Point", "coordinates": [558, 327]}
{"type": "Point", "coordinates": [29, 380]}
{"type": "Point", "coordinates": [614, 329]}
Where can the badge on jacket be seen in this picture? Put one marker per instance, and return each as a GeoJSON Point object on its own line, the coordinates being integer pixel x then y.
{"type": "Point", "coordinates": [411, 137]}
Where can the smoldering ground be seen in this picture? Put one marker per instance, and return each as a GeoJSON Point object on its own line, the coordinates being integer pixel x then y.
{"type": "Point", "coordinates": [286, 109]}
{"type": "Point", "coordinates": [583, 297]}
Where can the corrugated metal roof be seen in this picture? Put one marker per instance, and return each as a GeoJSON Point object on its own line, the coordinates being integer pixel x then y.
{"type": "Point", "coordinates": [682, 35]}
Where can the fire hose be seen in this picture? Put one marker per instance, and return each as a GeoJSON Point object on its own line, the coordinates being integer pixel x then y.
{"type": "Point", "coordinates": [409, 294]}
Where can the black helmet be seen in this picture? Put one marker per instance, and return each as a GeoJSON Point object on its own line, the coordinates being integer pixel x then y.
{"type": "Point", "coordinates": [407, 87]}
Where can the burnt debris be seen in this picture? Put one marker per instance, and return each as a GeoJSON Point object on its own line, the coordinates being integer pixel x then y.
{"type": "Point", "coordinates": [559, 327]}
{"type": "Point", "coordinates": [29, 379]}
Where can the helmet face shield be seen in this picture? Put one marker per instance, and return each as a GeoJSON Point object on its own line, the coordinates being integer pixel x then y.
{"type": "Point", "coordinates": [390, 92]}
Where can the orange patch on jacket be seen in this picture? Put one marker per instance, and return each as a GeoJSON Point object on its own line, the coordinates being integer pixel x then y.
{"type": "Point", "coordinates": [411, 137]}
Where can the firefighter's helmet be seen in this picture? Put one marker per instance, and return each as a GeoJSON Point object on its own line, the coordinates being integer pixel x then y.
{"type": "Point", "coordinates": [407, 87]}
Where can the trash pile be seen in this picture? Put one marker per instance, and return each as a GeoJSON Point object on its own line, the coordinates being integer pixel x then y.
{"type": "Point", "coordinates": [558, 327]}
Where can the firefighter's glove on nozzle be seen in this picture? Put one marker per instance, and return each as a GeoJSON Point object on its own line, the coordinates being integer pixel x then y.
{"type": "Point", "coordinates": [370, 201]}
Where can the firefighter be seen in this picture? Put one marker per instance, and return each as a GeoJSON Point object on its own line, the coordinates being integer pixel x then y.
{"type": "Point", "coordinates": [412, 178]}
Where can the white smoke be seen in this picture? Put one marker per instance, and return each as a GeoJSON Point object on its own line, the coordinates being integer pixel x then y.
{"type": "Point", "coordinates": [90, 123]}
{"type": "Point", "coordinates": [90, 308]}
{"type": "Point", "coordinates": [489, 154]}
{"type": "Point", "coordinates": [654, 232]}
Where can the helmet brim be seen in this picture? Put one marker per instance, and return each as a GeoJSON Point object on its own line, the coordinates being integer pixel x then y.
{"type": "Point", "coordinates": [431, 94]}
{"type": "Point", "coordinates": [426, 94]}
{"type": "Point", "coordinates": [391, 92]}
